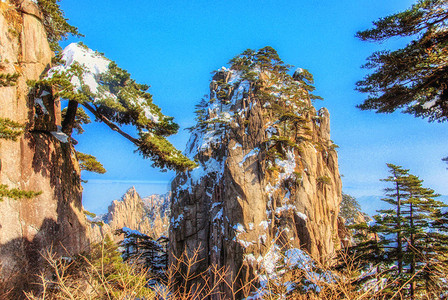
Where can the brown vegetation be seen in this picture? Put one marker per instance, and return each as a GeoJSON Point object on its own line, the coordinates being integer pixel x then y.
{"type": "Point", "coordinates": [103, 275]}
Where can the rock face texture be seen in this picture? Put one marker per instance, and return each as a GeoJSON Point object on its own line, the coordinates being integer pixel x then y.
{"type": "Point", "coordinates": [268, 176]}
{"type": "Point", "coordinates": [36, 161]}
{"type": "Point", "coordinates": [148, 215]}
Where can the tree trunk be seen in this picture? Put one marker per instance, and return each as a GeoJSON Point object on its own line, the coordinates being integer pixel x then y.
{"type": "Point", "coordinates": [412, 283]}
{"type": "Point", "coordinates": [69, 120]}
{"type": "Point", "coordinates": [399, 246]}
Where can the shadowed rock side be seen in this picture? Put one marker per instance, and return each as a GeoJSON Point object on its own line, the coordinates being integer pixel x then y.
{"type": "Point", "coordinates": [37, 161]}
{"type": "Point", "coordinates": [267, 179]}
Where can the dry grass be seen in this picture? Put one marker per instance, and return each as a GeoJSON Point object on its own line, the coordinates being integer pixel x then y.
{"type": "Point", "coordinates": [99, 276]}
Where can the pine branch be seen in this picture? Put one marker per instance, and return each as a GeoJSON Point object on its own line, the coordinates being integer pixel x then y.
{"type": "Point", "coordinates": [110, 124]}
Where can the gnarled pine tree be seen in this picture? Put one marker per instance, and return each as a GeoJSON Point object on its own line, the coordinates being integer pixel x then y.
{"type": "Point", "coordinates": [89, 80]}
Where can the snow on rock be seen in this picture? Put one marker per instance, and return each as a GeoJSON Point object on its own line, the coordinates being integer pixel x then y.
{"type": "Point", "coordinates": [237, 145]}
{"type": "Point", "coordinates": [283, 208]}
{"type": "Point", "coordinates": [44, 93]}
{"type": "Point", "coordinates": [243, 211]}
{"type": "Point", "coordinates": [288, 165]}
{"type": "Point", "coordinates": [270, 260]}
{"type": "Point", "coordinates": [252, 152]}
{"type": "Point", "coordinates": [40, 102]}
{"type": "Point", "coordinates": [218, 215]}
{"type": "Point", "coordinates": [175, 222]}
{"type": "Point", "coordinates": [265, 224]}
{"type": "Point", "coordinates": [239, 228]}
{"type": "Point", "coordinates": [301, 215]}
{"type": "Point", "coordinates": [62, 137]}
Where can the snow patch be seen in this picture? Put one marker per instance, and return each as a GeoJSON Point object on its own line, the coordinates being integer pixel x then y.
{"type": "Point", "coordinates": [93, 63]}
{"type": "Point", "coordinates": [283, 208]}
{"type": "Point", "coordinates": [236, 146]}
{"type": "Point", "coordinates": [253, 152]}
{"type": "Point", "coordinates": [430, 104]}
{"type": "Point", "coordinates": [264, 224]}
{"type": "Point", "coordinates": [40, 102]}
{"type": "Point", "coordinates": [301, 215]}
{"type": "Point", "coordinates": [62, 137]}
{"type": "Point", "coordinates": [218, 215]}
{"type": "Point", "coordinates": [239, 228]}
{"type": "Point", "coordinates": [176, 222]}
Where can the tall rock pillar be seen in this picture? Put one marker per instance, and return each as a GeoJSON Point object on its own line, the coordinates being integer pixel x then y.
{"type": "Point", "coordinates": [36, 161]}
{"type": "Point", "coordinates": [267, 181]}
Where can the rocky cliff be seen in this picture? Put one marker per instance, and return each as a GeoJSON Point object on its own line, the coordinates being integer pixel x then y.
{"type": "Point", "coordinates": [36, 161]}
{"type": "Point", "coordinates": [148, 216]}
{"type": "Point", "coordinates": [268, 178]}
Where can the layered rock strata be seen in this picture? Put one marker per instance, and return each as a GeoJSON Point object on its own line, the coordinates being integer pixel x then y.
{"type": "Point", "coordinates": [36, 161]}
{"type": "Point", "coordinates": [267, 180]}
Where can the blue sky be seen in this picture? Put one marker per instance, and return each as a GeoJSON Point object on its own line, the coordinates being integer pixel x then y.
{"type": "Point", "coordinates": [174, 45]}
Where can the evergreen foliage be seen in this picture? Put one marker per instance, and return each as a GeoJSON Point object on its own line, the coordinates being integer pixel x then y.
{"type": "Point", "coordinates": [89, 163]}
{"type": "Point", "coordinates": [323, 180]}
{"type": "Point", "coordinates": [99, 274]}
{"type": "Point", "coordinates": [413, 78]}
{"type": "Point", "coordinates": [350, 209]}
{"type": "Point", "coordinates": [117, 100]}
{"type": "Point", "coordinates": [16, 194]}
{"type": "Point", "coordinates": [89, 214]}
{"type": "Point", "coordinates": [408, 242]}
{"type": "Point", "coordinates": [55, 23]}
{"type": "Point", "coordinates": [119, 275]}
{"type": "Point", "coordinates": [163, 153]}
{"type": "Point", "coordinates": [149, 252]}
{"type": "Point", "coordinates": [266, 59]}
{"type": "Point", "coordinates": [8, 79]}
{"type": "Point", "coordinates": [9, 129]}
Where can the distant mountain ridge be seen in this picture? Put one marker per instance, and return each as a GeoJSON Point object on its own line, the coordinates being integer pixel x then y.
{"type": "Point", "coordinates": [149, 215]}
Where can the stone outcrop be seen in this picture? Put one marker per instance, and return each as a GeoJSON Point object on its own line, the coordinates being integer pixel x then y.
{"type": "Point", "coordinates": [148, 216]}
{"type": "Point", "coordinates": [37, 161]}
{"type": "Point", "coordinates": [267, 179]}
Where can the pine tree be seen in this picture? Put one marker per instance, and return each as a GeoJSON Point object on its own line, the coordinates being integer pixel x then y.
{"type": "Point", "coordinates": [424, 244]}
{"type": "Point", "coordinates": [350, 210]}
{"type": "Point", "coordinates": [412, 237]}
{"type": "Point", "coordinates": [90, 81]}
{"type": "Point", "coordinates": [392, 219]}
{"type": "Point", "coordinates": [413, 78]}
{"type": "Point", "coordinates": [119, 100]}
